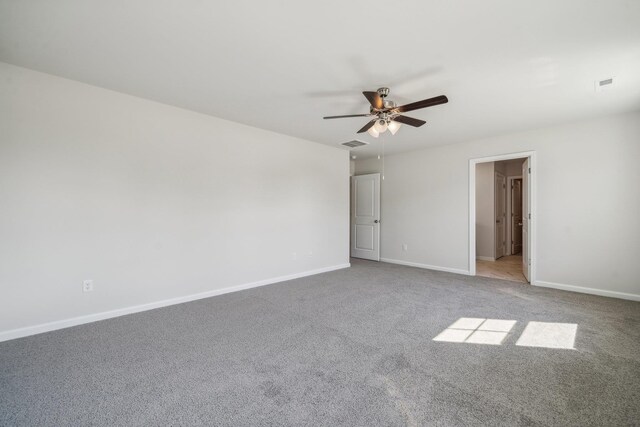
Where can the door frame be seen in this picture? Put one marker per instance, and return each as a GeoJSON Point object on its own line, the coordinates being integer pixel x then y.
{"type": "Point", "coordinates": [510, 180]}
{"type": "Point", "coordinates": [532, 208]}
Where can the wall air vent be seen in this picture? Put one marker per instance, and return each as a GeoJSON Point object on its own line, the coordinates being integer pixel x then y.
{"type": "Point", "coordinates": [354, 144]}
{"type": "Point", "coordinates": [604, 84]}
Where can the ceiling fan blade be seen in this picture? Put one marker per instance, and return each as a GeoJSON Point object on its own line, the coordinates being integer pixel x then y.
{"type": "Point", "coordinates": [348, 115]}
{"type": "Point", "coordinates": [367, 126]}
{"type": "Point", "coordinates": [409, 121]}
{"type": "Point", "coordinates": [422, 104]}
{"type": "Point", "coordinates": [374, 99]}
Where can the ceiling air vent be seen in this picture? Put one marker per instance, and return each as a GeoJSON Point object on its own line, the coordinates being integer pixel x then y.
{"type": "Point", "coordinates": [354, 144]}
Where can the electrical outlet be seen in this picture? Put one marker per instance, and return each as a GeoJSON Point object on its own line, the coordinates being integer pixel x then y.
{"type": "Point", "coordinates": [87, 285]}
{"type": "Point", "coordinates": [405, 247]}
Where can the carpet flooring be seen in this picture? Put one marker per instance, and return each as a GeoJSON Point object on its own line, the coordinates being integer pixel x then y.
{"type": "Point", "coordinates": [351, 347]}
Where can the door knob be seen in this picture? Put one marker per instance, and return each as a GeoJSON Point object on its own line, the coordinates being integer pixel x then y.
{"type": "Point", "coordinates": [376, 221]}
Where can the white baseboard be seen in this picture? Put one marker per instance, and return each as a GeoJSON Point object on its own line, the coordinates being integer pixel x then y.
{"type": "Point", "coordinates": [592, 291]}
{"type": "Point", "coordinates": [426, 266]}
{"type": "Point", "coordinates": [66, 323]}
{"type": "Point", "coordinates": [485, 258]}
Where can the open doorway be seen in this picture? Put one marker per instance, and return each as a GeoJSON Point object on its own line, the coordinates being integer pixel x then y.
{"type": "Point", "coordinates": [500, 244]}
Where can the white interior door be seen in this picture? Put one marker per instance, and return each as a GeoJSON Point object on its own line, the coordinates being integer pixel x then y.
{"type": "Point", "coordinates": [501, 214]}
{"type": "Point", "coordinates": [516, 216]}
{"type": "Point", "coordinates": [365, 216]}
{"type": "Point", "coordinates": [526, 223]}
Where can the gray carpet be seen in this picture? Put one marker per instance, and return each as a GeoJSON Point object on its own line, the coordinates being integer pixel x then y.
{"type": "Point", "coordinates": [351, 347]}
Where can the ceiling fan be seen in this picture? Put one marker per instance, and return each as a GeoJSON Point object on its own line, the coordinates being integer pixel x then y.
{"type": "Point", "coordinates": [387, 115]}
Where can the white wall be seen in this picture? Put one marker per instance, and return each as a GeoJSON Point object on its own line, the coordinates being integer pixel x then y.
{"type": "Point", "coordinates": [587, 175]}
{"type": "Point", "coordinates": [150, 201]}
{"type": "Point", "coordinates": [485, 211]}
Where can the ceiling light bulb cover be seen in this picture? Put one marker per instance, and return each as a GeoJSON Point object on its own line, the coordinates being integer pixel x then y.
{"type": "Point", "coordinates": [373, 132]}
{"type": "Point", "coordinates": [393, 127]}
{"type": "Point", "coordinates": [381, 126]}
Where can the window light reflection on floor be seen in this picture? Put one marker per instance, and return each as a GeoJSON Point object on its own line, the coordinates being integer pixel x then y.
{"type": "Point", "coordinates": [477, 331]}
{"type": "Point", "coordinates": [494, 331]}
{"type": "Point", "coordinates": [548, 335]}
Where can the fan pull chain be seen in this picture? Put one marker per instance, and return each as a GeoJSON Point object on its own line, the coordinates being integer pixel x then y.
{"type": "Point", "coordinates": [382, 140]}
{"type": "Point", "coordinates": [383, 158]}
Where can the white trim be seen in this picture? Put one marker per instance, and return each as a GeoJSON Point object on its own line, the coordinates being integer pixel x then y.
{"type": "Point", "coordinates": [74, 321]}
{"type": "Point", "coordinates": [426, 266]}
{"type": "Point", "coordinates": [472, 206]}
{"type": "Point", "coordinates": [592, 291]}
{"type": "Point", "coordinates": [485, 258]}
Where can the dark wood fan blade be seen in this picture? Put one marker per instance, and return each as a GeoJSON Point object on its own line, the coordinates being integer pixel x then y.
{"type": "Point", "coordinates": [348, 115]}
{"type": "Point", "coordinates": [409, 121]}
{"type": "Point", "coordinates": [367, 126]}
{"type": "Point", "coordinates": [374, 99]}
{"type": "Point", "coordinates": [422, 104]}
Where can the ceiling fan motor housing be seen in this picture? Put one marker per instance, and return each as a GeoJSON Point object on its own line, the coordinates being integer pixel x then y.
{"type": "Point", "coordinates": [383, 92]}
{"type": "Point", "coordinates": [389, 104]}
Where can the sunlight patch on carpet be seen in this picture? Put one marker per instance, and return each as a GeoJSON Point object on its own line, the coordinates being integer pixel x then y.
{"type": "Point", "coordinates": [549, 335]}
{"type": "Point", "coordinates": [477, 331]}
{"type": "Point", "coordinates": [474, 330]}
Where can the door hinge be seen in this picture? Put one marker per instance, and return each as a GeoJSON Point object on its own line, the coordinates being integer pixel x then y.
{"type": "Point", "coordinates": [529, 170]}
{"type": "Point", "coordinates": [529, 216]}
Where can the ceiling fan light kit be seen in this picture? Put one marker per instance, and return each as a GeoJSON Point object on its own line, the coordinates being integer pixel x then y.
{"type": "Point", "coordinates": [393, 127]}
{"type": "Point", "coordinates": [387, 115]}
{"type": "Point", "coordinates": [381, 125]}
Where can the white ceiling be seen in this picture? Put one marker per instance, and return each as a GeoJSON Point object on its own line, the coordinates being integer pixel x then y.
{"type": "Point", "coordinates": [505, 65]}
